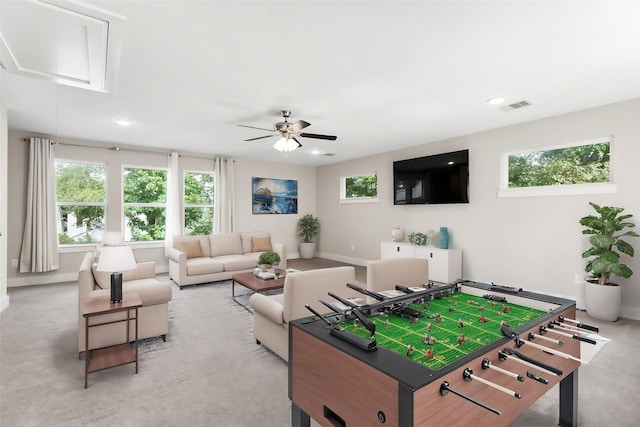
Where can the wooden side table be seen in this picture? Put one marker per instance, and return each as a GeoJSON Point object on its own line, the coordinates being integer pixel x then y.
{"type": "Point", "coordinates": [109, 357]}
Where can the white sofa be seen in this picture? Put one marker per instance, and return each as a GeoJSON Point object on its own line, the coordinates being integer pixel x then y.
{"type": "Point", "coordinates": [203, 259]}
{"type": "Point", "coordinates": [154, 313]}
{"type": "Point", "coordinates": [272, 313]}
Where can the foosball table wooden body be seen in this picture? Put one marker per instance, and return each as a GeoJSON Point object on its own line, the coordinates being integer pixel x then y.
{"type": "Point", "coordinates": [338, 384]}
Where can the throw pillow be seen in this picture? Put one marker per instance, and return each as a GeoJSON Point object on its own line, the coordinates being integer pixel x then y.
{"type": "Point", "coordinates": [191, 248]}
{"type": "Point", "coordinates": [261, 244]}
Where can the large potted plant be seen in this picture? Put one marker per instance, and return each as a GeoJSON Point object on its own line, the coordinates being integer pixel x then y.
{"type": "Point", "coordinates": [308, 229]}
{"type": "Point", "coordinates": [602, 298]}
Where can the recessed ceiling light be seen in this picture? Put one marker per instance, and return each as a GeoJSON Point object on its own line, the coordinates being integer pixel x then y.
{"type": "Point", "coordinates": [122, 122]}
{"type": "Point", "coordinates": [316, 152]}
{"type": "Point", "coordinates": [495, 101]}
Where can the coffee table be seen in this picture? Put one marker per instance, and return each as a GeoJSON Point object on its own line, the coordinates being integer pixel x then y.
{"type": "Point", "coordinates": [256, 284]}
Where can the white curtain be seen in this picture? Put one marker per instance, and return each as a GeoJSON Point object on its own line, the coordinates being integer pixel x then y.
{"type": "Point", "coordinates": [173, 225]}
{"type": "Point", "coordinates": [39, 251]}
{"type": "Point", "coordinates": [223, 203]}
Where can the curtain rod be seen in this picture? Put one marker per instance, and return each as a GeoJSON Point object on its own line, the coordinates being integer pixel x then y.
{"type": "Point", "coordinates": [116, 148]}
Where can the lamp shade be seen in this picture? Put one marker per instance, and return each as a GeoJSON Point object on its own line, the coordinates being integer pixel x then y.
{"type": "Point", "coordinates": [116, 259]}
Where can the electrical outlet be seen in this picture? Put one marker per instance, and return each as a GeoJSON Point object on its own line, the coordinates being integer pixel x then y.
{"type": "Point", "coordinates": [14, 263]}
{"type": "Point", "coordinates": [353, 248]}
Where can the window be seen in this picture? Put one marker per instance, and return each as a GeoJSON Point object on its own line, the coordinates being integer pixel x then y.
{"type": "Point", "coordinates": [80, 201]}
{"type": "Point", "coordinates": [359, 188]}
{"type": "Point", "coordinates": [579, 168]}
{"type": "Point", "coordinates": [198, 202]}
{"type": "Point", "coordinates": [145, 198]}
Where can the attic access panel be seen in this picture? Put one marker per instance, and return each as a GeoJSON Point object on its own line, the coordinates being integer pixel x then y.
{"type": "Point", "coordinates": [62, 42]}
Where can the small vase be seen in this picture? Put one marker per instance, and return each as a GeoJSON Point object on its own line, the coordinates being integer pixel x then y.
{"type": "Point", "coordinates": [397, 234]}
{"type": "Point", "coordinates": [444, 238]}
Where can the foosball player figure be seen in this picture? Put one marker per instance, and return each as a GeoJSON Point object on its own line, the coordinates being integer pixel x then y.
{"type": "Point", "coordinates": [503, 323]}
{"type": "Point", "coordinates": [429, 327]}
{"type": "Point", "coordinates": [505, 308]}
{"type": "Point", "coordinates": [386, 323]}
{"type": "Point", "coordinates": [409, 350]}
{"type": "Point", "coordinates": [461, 339]}
{"type": "Point", "coordinates": [438, 318]}
{"type": "Point", "coordinates": [413, 320]}
{"type": "Point", "coordinates": [429, 354]}
{"type": "Point", "coordinates": [451, 308]}
{"type": "Point", "coordinates": [482, 319]}
{"type": "Point", "coordinates": [460, 323]}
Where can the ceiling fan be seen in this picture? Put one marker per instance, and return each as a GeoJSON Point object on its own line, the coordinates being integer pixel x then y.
{"type": "Point", "coordinates": [288, 133]}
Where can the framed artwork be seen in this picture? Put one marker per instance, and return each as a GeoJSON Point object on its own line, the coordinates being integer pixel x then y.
{"type": "Point", "coordinates": [274, 196]}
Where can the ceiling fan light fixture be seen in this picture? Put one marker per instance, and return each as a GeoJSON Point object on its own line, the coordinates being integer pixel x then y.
{"type": "Point", "coordinates": [285, 145]}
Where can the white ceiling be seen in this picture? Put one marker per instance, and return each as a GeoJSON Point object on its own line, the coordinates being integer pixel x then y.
{"type": "Point", "coordinates": [380, 75]}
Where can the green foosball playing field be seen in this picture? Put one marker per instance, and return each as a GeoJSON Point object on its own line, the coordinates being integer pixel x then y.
{"type": "Point", "coordinates": [451, 327]}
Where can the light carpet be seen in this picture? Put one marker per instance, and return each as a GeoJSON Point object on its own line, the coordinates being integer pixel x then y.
{"type": "Point", "coordinates": [210, 372]}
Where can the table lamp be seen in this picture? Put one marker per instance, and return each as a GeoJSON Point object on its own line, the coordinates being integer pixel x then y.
{"type": "Point", "coordinates": [116, 259]}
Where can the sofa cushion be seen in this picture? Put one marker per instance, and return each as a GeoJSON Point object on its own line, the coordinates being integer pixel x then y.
{"type": "Point", "coordinates": [247, 244]}
{"type": "Point", "coordinates": [204, 243]}
{"type": "Point", "coordinates": [191, 248]}
{"type": "Point", "coordinates": [236, 262]}
{"type": "Point", "coordinates": [261, 244]}
{"type": "Point", "coordinates": [225, 244]}
{"type": "Point", "coordinates": [204, 265]}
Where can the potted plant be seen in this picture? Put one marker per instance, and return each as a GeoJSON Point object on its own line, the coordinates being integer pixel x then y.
{"type": "Point", "coordinates": [308, 229]}
{"type": "Point", "coordinates": [606, 230]}
{"type": "Point", "coordinates": [267, 259]}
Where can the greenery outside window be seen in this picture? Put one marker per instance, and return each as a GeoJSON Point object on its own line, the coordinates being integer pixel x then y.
{"type": "Point", "coordinates": [578, 168]}
{"type": "Point", "coordinates": [199, 191]}
{"type": "Point", "coordinates": [80, 202]}
{"type": "Point", "coordinates": [145, 198]}
{"type": "Point", "coordinates": [359, 188]}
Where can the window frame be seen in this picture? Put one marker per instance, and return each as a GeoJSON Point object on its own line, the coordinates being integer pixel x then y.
{"type": "Point", "coordinates": [67, 247]}
{"type": "Point", "coordinates": [125, 205]}
{"type": "Point", "coordinates": [343, 190]}
{"type": "Point", "coordinates": [557, 190]}
{"type": "Point", "coordinates": [186, 205]}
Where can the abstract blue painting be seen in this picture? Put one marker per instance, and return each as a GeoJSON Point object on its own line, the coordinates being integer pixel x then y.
{"type": "Point", "coordinates": [274, 196]}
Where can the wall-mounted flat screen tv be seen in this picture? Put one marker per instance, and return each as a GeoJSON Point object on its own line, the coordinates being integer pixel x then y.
{"type": "Point", "coordinates": [437, 179]}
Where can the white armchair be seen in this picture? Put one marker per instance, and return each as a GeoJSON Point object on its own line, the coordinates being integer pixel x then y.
{"type": "Point", "coordinates": [272, 314]}
{"type": "Point", "coordinates": [385, 274]}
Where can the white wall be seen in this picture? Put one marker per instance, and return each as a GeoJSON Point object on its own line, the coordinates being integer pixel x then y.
{"type": "Point", "coordinates": [4, 298]}
{"type": "Point", "coordinates": [534, 242]}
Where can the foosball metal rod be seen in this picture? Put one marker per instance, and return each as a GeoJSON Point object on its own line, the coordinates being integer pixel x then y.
{"type": "Point", "coordinates": [520, 342]}
{"type": "Point", "coordinates": [468, 375]}
{"type": "Point", "coordinates": [444, 389]}
{"type": "Point", "coordinates": [533, 336]}
{"type": "Point", "coordinates": [486, 364]}
{"type": "Point", "coordinates": [579, 323]}
{"type": "Point", "coordinates": [566, 327]}
{"type": "Point", "coordinates": [544, 330]}
{"type": "Point", "coordinates": [505, 356]}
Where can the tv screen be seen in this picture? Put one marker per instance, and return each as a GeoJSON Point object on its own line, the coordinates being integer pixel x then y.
{"type": "Point", "coordinates": [437, 179]}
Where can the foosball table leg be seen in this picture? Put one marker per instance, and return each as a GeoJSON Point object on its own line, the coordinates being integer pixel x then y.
{"type": "Point", "coordinates": [569, 400]}
{"type": "Point", "coordinates": [299, 418]}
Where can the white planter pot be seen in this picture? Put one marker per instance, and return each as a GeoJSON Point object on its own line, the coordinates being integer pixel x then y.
{"type": "Point", "coordinates": [307, 250]}
{"type": "Point", "coordinates": [603, 302]}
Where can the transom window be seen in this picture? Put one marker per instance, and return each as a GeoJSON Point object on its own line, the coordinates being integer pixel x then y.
{"type": "Point", "coordinates": [359, 188]}
{"type": "Point", "coordinates": [578, 168]}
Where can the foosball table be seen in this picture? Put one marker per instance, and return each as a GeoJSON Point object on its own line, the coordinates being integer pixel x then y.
{"type": "Point", "coordinates": [463, 354]}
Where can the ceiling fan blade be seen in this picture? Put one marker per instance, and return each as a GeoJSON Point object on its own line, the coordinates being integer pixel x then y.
{"type": "Point", "coordinates": [253, 127]}
{"type": "Point", "coordinates": [260, 137]}
{"type": "Point", "coordinates": [315, 135]}
{"type": "Point", "coordinates": [299, 145]}
{"type": "Point", "coordinates": [298, 126]}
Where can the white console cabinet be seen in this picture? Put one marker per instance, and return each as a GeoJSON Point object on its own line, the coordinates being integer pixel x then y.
{"type": "Point", "coordinates": [445, 265]}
